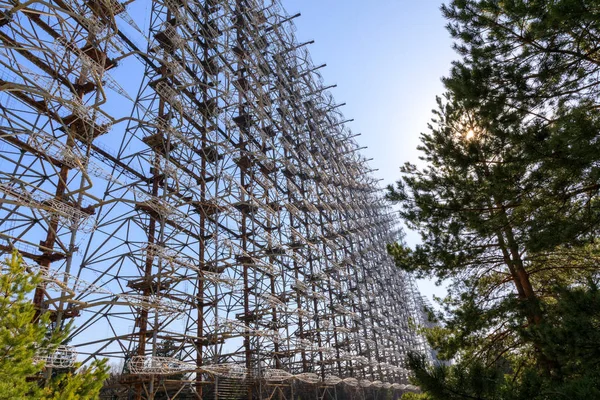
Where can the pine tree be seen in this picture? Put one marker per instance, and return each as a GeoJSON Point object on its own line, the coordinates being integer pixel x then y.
{"type": "Point", "coordinates": [507, 203]}
{"type": "Point", "coordinates": [22, 338]}
{"type": "Point", "coordinates": [537, 62]}
{"type": "Point", "coordinates": [495, 222]}
{"type": "Point", "coordinates": [19, 337]}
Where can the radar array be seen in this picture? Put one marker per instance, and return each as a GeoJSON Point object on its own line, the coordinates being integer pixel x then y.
{"type": "Point", "coordinates": [219, 228]}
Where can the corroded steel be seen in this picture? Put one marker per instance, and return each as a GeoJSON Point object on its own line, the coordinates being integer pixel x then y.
{"type": "Point", "coordinates": [219, 224]}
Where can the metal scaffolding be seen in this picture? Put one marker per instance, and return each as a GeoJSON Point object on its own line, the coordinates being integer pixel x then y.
{"type": "Point", "coordinates": [219, 229]}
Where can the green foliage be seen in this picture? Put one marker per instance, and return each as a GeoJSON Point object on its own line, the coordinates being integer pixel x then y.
{"type": "Point", "coordinates": [18, 336]}
{"type": "Point", "coordinates": [507, 204]}
{"type": "Point", "coordinates": [569, 335]}
{"type": "Point", "coordinates": [21, 338]}
{"type": "Point", "coordinates": [415, 396]}
{"type": "Point", "coordinates": [85, 384]}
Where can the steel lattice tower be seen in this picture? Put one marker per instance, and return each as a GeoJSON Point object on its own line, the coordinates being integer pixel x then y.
{"type": "Point", "coordinates": [219, 233]}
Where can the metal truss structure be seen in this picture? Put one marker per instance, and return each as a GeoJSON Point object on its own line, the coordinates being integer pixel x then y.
{"type": "Point", "coordinates": [220, 225]}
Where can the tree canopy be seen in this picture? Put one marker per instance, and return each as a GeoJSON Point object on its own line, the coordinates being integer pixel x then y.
{"type": "Point", "coordinates": [506, 203]}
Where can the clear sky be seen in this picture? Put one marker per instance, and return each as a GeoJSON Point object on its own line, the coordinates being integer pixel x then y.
{"type": "Point", "coordinates": [387, 58]}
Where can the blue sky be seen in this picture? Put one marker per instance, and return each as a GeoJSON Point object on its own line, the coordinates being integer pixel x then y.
{"type": "Point", "coordinates": [387, 58]}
